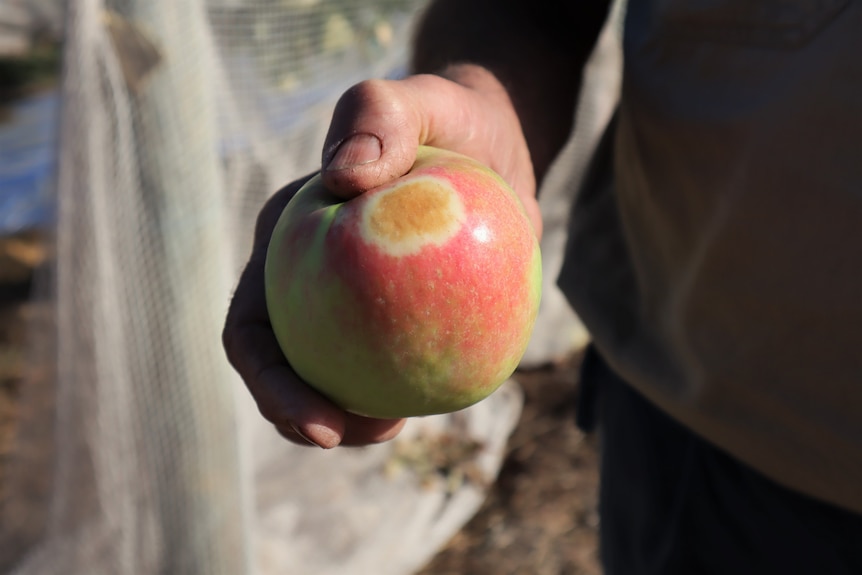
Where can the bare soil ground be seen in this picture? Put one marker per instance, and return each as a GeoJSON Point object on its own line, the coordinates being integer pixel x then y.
{"type": "Point", "coordinates": [540, 517]}
{"type": "Point", "coordinates": [19, 255]}
{"type": "Point", "coordinates": [11, 365]}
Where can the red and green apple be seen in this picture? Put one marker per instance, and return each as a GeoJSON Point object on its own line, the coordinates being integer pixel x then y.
{"type": "Point", "coordinates": [414, 298]}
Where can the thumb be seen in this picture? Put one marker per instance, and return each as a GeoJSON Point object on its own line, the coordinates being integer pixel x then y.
{"type": "Point", "coordinates": [373, 137]}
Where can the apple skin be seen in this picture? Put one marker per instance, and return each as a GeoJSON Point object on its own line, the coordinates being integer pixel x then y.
{"type": "Point", "coordinates": [414, 298]}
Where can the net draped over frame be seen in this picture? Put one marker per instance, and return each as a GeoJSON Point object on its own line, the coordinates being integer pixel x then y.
{"type": "Point", "coordinates": [138, 450]}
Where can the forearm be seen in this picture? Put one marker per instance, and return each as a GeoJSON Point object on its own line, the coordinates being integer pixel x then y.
{"type": "Point", "coordinates": [537, 54]}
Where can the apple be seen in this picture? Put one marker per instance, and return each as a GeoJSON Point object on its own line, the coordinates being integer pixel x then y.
{"type": "Point", "coordinates": [414, 298]}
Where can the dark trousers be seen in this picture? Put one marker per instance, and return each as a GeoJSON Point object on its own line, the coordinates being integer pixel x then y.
{"type": "Point", "coordinates": [673, 504]}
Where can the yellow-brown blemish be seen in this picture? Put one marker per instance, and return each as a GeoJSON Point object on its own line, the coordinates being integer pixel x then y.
{"type": "Point", "coordinates": [415, 209]}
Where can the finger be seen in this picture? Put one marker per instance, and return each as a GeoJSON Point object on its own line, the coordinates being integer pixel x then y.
{"type": "Point", "coordinates": [292, 406]}
{"type": "Point", "coordinates": [281, 396]}
{"type": "Point", "coordinates": [268, 216]}
{"type": "Point", "coordinates": [298, 412]}
{"type": "Point", "coordinates": [367, 431]}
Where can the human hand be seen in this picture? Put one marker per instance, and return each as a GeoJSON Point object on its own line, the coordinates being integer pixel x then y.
{"type": "Point", "coordinates": [375, 131]}
{"type": "Point", "coordinates": [298, 412]}
{"type": "Point", "coordinates": [378, 125]}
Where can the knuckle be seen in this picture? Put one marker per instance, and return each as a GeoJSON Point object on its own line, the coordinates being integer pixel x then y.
{"type": "Point", "coordinates": [269, 413]}
{"type": "Point", "coordinates": [374, 97]}
{"type": "Point", "coordinates": [232, 339]}
{"type": "Point", "coordinates": [271, 211]}
{"type": "Point", "coordinates": [365, 91]}
{"type": "Point", "coordinates": [267, 218]}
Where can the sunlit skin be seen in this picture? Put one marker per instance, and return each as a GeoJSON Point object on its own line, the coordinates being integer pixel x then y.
{"type": "Point", "coordinates": [415, 298]}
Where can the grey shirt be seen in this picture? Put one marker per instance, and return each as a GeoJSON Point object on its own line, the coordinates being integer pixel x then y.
{"type": "Point", "coordinates": [716, 252]}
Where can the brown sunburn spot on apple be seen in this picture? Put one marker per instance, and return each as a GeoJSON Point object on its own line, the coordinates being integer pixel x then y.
{"type": "Point", "coordinates": [403, 219]}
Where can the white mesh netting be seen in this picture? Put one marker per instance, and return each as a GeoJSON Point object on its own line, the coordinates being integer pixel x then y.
{"type": "Point", "coordinates": [137, 449]}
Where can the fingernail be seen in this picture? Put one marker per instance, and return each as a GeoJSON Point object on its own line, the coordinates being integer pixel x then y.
{"type": "Point", "coordinates": [355, 151]}
{"type": "Point", "coordinates": [328, 438]}
{"type": "Point", "coordinates": [299, 432]}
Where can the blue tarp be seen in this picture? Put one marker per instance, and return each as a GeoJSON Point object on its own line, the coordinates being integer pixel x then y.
{"type": "Point", "coordinates": [28, 160]}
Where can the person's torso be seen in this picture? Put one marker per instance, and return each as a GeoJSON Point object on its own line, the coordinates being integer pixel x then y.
{"type": "Point", "coordinates": [720, 271]}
